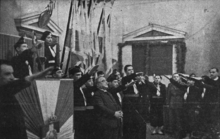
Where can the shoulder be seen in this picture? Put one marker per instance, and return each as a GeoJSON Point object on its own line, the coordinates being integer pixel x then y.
{"type": "Point", "coordinates": [163, 85]}
{"type": "Point", "coordinates": [170, 85]}
{"type": "Point", "coordinates": [14, 58]}
{"type": "Point", "coordinates": [98, 93]}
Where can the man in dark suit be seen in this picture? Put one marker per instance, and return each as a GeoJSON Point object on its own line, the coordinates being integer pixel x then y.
{"type": "Point", "coordinates": [191, 107]}
{"type": "Point", "coordinates": [80, 101]}
{"type": "Point", "coordinates": [210, 98]}
{"type": "Point", "coordinates": [115, 89]}
{"type": "Point", "coordinates": [134, 123]}
{"type": "Point", "coordinates": [23, 62]}
{"type": "Point", "coordinates": [12, 121]}
{"type": "Point", "coordinates": [108, 111]}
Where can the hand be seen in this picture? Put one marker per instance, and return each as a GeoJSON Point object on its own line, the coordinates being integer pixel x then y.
{"type": "Point", "coordinates": [118, 114]}
{"type": "Point", "coordinates": [130, 84]}
{"type": "Point", "coordinates": [138, 78]}
{"type": "Point", "coordinates": [139, 73]}
{"type": "Point", "coordinates": [93, 70]}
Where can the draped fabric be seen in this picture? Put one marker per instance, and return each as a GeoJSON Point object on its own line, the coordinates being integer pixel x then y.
{"type": "Point", "coordinates": [43, 99]}
{"type": "Point", "coordinates": [66, 129]}
{"type": "Point", "coordinates": [29, 101]}
{"type": "Point", "coordinates": [31, 135]}
{"type": "Point", "coordinates": [48, 92]}
{"type": "Point", "coordinates": [64, 108]}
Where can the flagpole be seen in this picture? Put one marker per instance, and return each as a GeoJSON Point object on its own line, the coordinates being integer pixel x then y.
{"type": "Point", "coordinates": [67, 32]}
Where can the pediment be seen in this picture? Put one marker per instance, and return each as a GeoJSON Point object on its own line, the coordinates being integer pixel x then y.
{"type": "Point", "coordinates": [29, 22]}
{"type": "Point", "coordinates": [154, 32]}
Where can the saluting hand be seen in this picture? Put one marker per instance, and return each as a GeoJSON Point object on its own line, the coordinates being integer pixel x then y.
{"type": "Point", "coordinates": [93, 70]}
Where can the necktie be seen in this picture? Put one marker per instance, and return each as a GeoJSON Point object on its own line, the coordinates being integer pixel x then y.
{"type": "Point", "coordinates": [135, 89]}
{"type": "Point", "coordinates": [119, 97]}
{"type": "Point", "coordinates": [186, 94]}
{"type": "Point", "coordinates": [158, 90]}
{"type": "Point", "coordinates": [52, 51]}
{"type": "Point", "coordinates": [29, 67]}
{"type": "Point", "coordinates": [83, 96]}
{"type": "Point", "coordinates": [203, 93]}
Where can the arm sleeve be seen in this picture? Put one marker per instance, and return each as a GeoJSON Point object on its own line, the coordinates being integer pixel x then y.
{"type": "Point", "coordinates": [25, 55]}
{"type": "Point", "coordinates": [128, 78]}
{"type": "Point", "coordinates": [120, 88]}
{"type": "Point", "coordinates": [82, 80]}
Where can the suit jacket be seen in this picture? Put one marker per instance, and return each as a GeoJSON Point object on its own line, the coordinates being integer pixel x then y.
{"type": "Point", "coordinates": [115, 91]}
{"type": "Point", "coordinates": [89, 93]}
{"type": "Point", "coordinates": [175, 96]}
{"type": "Point", "coordinates": [128, 79]}
{"type": "Point", "coordinates": [105, 107]}
{"type": "Point", "coordinates": [153, 94]}
{"type": "Point", "coordinates": [78, 96]}
{"type": "Point", "coordinates": [19, 64]}
{"type": "Point", "coordinates": [212, 92]}
{"type": "Point", "coordinates": [144, 88]}
{"type": "Point", "coordinates": [12, 124]}
{"type": "Point", "coordinates": [194, 95]}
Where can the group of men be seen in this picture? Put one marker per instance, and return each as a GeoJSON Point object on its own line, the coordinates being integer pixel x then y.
{"type": "Point", "coordinates": [17, 74]}
{"type": "Point", "coordinates": [115, 107]}
{"type": "Point", "coordinates": [193, 104]}
{"type": "Point", "coordinates": [123, 106]}
{"type": "Point", "coordinates": [23, 61]}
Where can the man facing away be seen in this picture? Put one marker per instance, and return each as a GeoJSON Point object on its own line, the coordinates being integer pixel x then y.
{"type": "Point", "coordinates": [12, 125]}
{"type": "Point", "coordinates": [109, 113]}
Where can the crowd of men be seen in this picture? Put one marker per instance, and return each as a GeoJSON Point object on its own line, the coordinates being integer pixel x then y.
{"type": "Point", "coordinates": [113, 107]}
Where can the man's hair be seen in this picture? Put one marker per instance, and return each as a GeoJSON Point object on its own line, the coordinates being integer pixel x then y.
{"type": "Point", "coordinates": [97, 80]}
{"type": "Point", "coordinates": [4, 62]}
{"type": "Point", "coordinates": [158, 75]}
{"type": "Point", "coordinates": [45, 34]}
{"type": "Point", "coordinates": [126, 67]}
{"type": "Point", "coordinates": [19, 43]}
{"type": "Point", "coordinates": [214, 68]}
{"type": "Point", "coordinates": [100, 73]}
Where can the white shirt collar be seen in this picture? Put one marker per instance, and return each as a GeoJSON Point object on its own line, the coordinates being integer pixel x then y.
{"type": "Point", "coordinates": [216, 78]}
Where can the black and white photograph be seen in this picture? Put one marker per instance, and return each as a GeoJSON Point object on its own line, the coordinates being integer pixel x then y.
{"type": "Point", "coordinates": [109, 69]}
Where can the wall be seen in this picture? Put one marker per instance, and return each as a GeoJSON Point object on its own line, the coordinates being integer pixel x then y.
{"type": "Point", "coordinates": [11, 9]}
{"type": "Point", "coordinates": [199, 18]}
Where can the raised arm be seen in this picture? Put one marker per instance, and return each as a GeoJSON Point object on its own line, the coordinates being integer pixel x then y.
{"type": "Point", "coordinates": [19, 84]}
{"type": "Point", "coordinates": [39, 74]}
